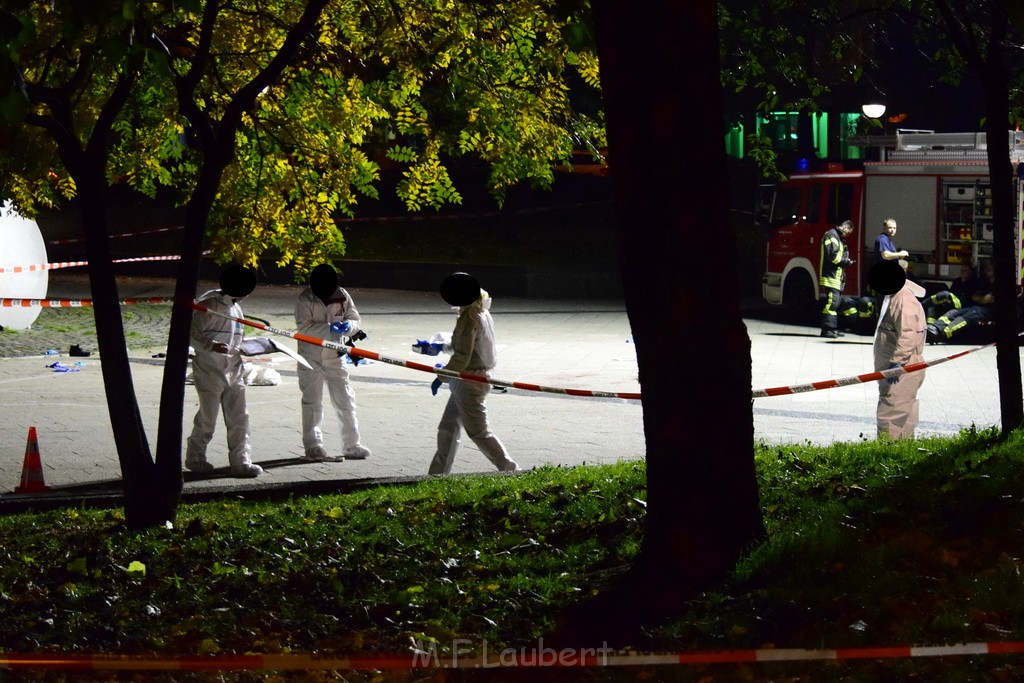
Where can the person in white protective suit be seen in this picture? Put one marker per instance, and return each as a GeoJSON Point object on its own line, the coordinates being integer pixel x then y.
{"type": "Point", "coordinates": [218, 375]}
{"type": "Point", "coordinates": [326, 311]}
{"type": "Point", "coordinates": [472, 350]}
{"type": "Point", "coordinates": [899, 340]}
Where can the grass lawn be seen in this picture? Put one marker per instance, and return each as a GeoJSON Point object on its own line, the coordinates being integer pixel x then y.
{"type": "Point", "coordinates": [870, 544]}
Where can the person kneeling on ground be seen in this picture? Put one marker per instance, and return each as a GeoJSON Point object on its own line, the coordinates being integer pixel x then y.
{"type": "Point", "coordinates": [960, 291]}
{"type": "Point", "coordinates": [981, 308]}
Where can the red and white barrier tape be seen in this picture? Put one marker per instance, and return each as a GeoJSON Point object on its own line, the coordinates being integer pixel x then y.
{"type": "Point", "coordinates": [363, 353]}
{"type": "Point", "coordinates": [72, 264]}
{"type": "Point", "coordinates": [632, 396]}
{"type": "Point", "coordinates": [372, 355]}
{"type": "Point", "coordinates": [860, 379]}
{"type": "Point", "coordinates": [77, 303]}
{"type": "Point", "coordinates": [74, 240]}
{"type": "Point", "coordinates": [544, 657]}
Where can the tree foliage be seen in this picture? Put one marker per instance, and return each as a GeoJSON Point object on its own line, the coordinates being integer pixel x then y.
{"type": "Point", "coordinates": [423, 80]}
{"type": "Point", "coordinates": [786, 55]}
{"type": "Point", "coordinates": [267, 120]}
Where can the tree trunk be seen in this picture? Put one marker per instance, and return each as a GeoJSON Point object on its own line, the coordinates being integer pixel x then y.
{"type": "Point", "coordinates": [1003, 182]}
{"type": "Point", "coordinates": [218, 144]}
{"type": "Point", "coordinates": [677, 252]}
{"type": "Point", "coordinates": [172, 392]}
{"type": "Point", "coordinates": [122, 405]}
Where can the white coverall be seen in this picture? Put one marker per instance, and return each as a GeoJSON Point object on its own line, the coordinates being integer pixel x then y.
{"type": "Point", "coordinates": [314, 318]}
{"type": "Point", "coordinates": [473, 351]}
{"type": "Point", "coordinates": [219, 381]}
{"type": "Point", "coordinates": [900, 339]}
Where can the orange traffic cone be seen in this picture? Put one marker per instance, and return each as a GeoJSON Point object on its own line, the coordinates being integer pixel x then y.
{"type": "Point", "coordinates": [32, 471]}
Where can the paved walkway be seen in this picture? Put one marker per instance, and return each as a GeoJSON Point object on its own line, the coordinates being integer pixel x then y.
{"type": "Point", "coordinates": [564, 343]}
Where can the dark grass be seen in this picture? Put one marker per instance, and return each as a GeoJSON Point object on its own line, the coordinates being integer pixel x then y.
{"type": "Point", "coordinates": [870, 544]}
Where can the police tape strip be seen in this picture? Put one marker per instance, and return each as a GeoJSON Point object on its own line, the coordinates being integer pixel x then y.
{"type": "Point", "coordinates": [631, 396]}
{"type": "Point", "coordinates": [77, 303]}
{"type": "Point", "coordinates": [757, 393]}
{"type": "Point", "coordinates": [74, 240]}
{"type": "Point", "coordinates": [544, 657]}
{"type": "Point", "coordinates": [363, 353]}
{"type": "Point", "coordinates": [73, 264]}
{"type": "Point", "coordinates": [860, 379]}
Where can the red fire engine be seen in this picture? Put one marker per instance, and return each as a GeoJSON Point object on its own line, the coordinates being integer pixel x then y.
{"type": "Point", "coordinates": [936, 187]}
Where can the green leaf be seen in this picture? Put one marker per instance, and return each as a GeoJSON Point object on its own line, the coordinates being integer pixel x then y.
{"type": "Point", "coordinates": [221, 569]}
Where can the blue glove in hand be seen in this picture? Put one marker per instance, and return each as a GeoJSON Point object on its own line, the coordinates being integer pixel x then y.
{"type": "Point", "coordinates": [893, 380]}
{"type": "Point", "coordinates": [436, 384]}
{"type": "Point", "coordinates": [341, 328]}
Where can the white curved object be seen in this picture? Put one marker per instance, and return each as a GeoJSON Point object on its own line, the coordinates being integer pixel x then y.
{"type": "Point", "coordinates": [21, 244]}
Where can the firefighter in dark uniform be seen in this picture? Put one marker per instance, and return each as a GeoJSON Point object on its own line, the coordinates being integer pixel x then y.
{"type": "Point", "coordinates": [834, 258]}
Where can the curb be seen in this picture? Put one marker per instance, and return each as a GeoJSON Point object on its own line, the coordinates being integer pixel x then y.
{"type": "Point", "coordinates": [107, 494]}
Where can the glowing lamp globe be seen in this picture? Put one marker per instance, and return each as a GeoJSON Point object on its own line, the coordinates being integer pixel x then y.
{"type": "Point", "coordinates": [873, 111]}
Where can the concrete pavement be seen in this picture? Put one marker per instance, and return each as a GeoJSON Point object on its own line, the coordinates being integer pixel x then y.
{"type": "Point", "coordinates": [582, 344]}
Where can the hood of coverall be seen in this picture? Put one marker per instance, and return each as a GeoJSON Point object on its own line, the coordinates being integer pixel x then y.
{"type": "Point", "coordinates": [460, 289]}
{"type": "Point", "coordinates": [323, 281]}
{"type": "Point", "coordinates": [887, 277]}
{"type": "Point", "coordinates": [237, 281]}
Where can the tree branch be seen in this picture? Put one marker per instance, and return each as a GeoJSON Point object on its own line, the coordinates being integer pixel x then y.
{"type": "Point", "coordinates": [962, 38]}
{"type": "Point", "coordinates": [245, 98]}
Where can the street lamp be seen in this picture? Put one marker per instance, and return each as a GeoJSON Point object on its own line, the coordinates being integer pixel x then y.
{"type": "Point", "coordinates": [873, 110]}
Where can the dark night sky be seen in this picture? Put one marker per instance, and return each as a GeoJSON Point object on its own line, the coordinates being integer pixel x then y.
{"type": "Point", "coordinates": [910, 83]}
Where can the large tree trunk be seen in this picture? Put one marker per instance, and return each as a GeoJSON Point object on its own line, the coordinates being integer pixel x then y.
{"type": "Point", "coordinates": [87, 166]}
{"type": "Point", "coordinates": [659, 75]}
{"type": "Point", "coordinates": [172, 392]}
{"type": "Point", "coordinates": [122, 405]}
{"type": "Point", "coordinates": [997, 107]}
{"type": "Point", "coordinates": [217, 140]}
{"type": "Point", "coordinates": [992, 68]}
{"type": "Point", "coordinates": [990, 59]}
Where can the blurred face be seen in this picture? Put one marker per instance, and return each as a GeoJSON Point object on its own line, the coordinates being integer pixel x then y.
{"type": "Point", "coordinates": [890, 229]}
{"type": "Point", "coordinates": [965, 272]}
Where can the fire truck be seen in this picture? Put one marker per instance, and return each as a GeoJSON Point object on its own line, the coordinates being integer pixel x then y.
{"type": "Point", "coordinates": [935, 185]}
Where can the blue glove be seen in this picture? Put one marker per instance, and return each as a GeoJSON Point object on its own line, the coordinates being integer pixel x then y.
{"type": "Point", "coordinates": [340, 328]}
{"type": "Point", "coordinates": [893, 380]}
{"type": "Point", "coordinates": [427, 348]}
{"type": "Point", "coordinates": [436, 384]}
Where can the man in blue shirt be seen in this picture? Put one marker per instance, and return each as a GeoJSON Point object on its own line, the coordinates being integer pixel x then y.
{"type": "Point", "coordinates": [884, 246]}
